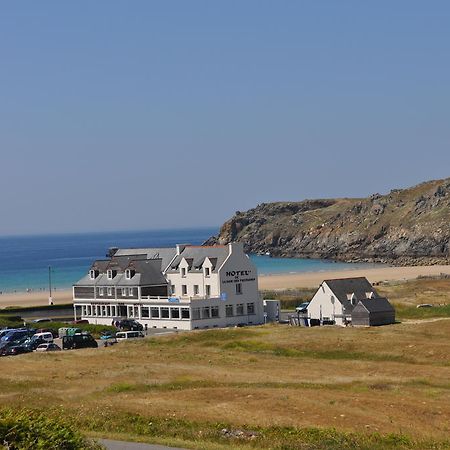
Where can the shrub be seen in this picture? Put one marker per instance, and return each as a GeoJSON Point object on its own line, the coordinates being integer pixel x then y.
{"type": "Point", "coordinates": [27, 430]}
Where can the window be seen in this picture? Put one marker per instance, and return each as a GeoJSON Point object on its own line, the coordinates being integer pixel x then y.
{"type": "Point", "coordinates": [154, 311]}
{"type": "Point", "coordinates": [195, 289]}
{"type": "Point", "coordinates": [206, 313]}
{"type": "Point", "coordinates": [101, 291]}
{"type": "Point", "coordinates": [207, 290]}
{"type": "Point", "coordinates": [195, 313]}
{"type": "Point", "coordinates": [183, 271]}
{"type": "Point", "coordinates": [109, 273]}
{"type": "Point", "coordinates": [175, 313]}
{"type": "Point", "coordinates": [238, 288]}
{"type": "Point", "coordinates": [124, 292]}
{"type": "Point", "coordinates": [172, 289]}
{"type": "Point", "coordinates": [145, 312]}
{"type": "Point", "coordinates": [109, 291]}
{"type": "Point", "coordinates": [207, 271]}
{"type": "Point", "coordinates": [185, 313]}
{"type": "Point", "coordinates": [229, 310]}
{"type": "Point", "coordinates": [128, 274]}
{"type": "Point", "coordinates": [240, 309]}
{"type": "Point", "coordinates": [92, 274]}
{"type": "Point", "coordinates": [250, 308]}
{"type": "Point", "coordinates": [184, 289]}
{"type": "Point", "coordinates": [165, 312]}
{"type": "Point", "coordinates": [214, 311]}
{"type": "Point", "coordinates": [130, 292]}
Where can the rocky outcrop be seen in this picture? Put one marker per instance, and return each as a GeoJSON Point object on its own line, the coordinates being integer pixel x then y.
{"type": "Point", "coordinates": [406, 226]}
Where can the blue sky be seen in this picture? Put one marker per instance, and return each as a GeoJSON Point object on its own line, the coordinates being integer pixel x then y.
{"type": "Point", "coordinates": [138, 115]}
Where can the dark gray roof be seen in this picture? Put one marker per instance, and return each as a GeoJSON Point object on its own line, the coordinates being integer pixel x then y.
{"type": "Point", "coordinates": [344, 287]}
{"type": "Point", "coordinates": [149, 271]}
{"type": "Point", "coordinates": [165, 254]}
{"type": "Point", "coordinates": [379, 304]}
{"type": "Point", "coordinates": [196, 255]}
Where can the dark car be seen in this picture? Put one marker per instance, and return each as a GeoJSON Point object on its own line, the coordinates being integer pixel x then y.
{"type": "Point", "coordinates": [79, 340]}
{"type": "Point", "coordinates": [14, 335]}
{"type": "Point", "coordinates": [130, 325]}
{"type": "Point", "coordinates": [17, 350]}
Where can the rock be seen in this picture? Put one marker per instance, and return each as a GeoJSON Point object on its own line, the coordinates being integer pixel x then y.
{"type": "Point", "coordinates": [409, 226]}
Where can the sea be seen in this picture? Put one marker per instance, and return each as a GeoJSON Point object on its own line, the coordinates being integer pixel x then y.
{"type": "Point", "coordinates": [27, 262]}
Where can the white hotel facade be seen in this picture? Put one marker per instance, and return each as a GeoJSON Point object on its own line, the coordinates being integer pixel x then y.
{"type": "Point", "coordinates": [186, 288]}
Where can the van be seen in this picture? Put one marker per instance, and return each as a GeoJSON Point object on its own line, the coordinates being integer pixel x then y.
{"type": "Point", "coordinates": [79, 340]}
{"type": "Point", "coordinates": [44, 337]}
{"type": "Point", "coordinates": [122, 335]}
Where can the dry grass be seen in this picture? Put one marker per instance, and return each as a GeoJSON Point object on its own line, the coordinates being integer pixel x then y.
{"type": "Point", "coordinates": [392, 379]}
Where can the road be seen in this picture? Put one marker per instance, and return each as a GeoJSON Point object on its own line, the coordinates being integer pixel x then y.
{"type": "Point", "coordinates": [121, 445]}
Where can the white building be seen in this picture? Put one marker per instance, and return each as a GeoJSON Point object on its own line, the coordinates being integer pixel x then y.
{"type": "Point", "coordinates": [186, 287]}
{"type": "Point", "coordinates": [335, 300]}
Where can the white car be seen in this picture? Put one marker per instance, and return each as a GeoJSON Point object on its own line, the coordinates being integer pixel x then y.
{"type": "Point", "coordinates": [48, 347]}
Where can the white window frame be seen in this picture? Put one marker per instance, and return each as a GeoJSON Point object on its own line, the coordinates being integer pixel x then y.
{"type": "Point", "coordinates": [128, 274]}
{"type": "Point", "coordinates": [101, 292]}
{"type": "Point", "coordinates": [109, 274]}
{"type": "Point", "coordinates": [109, 291]}
{"type": "Point", "coordinates": [92, 274]}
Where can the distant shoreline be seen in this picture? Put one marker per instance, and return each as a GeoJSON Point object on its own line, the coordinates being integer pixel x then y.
{"type": "Point", "coordinates": [266, 282]}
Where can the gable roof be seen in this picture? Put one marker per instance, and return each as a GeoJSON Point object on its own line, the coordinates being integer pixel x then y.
{"type": "Point", "coordinates": [196, 255]}
{"type": "Point", "coordinates": [379, 304]}
{"type": "Point", "coordinates": [344, 287]}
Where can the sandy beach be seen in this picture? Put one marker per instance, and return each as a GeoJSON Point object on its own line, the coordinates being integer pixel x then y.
{"type": "Point", "coordinates": [266, 282]}
{"type": "Point", "coordinates": [374, 275]}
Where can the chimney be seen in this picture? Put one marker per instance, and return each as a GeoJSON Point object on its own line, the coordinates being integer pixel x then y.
{"type": "Point", "coordinates": [235, 247]}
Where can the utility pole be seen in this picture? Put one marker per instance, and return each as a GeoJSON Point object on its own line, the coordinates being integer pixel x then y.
{"type": "Point", "coordinates": [50, 299]}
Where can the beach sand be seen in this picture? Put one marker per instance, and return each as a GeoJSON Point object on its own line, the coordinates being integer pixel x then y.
{"type": "Point", "coordinates": [266, 282]}
{"type": "Point", "coordinates": [374, 275]}
{"type": "Point", "coordinates": [22, 299]}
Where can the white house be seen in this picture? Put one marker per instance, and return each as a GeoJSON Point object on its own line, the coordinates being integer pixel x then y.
{"type": "Point", "coordinates": [335, 300]}
{"type": "Point", "coordinates": [186, 287]}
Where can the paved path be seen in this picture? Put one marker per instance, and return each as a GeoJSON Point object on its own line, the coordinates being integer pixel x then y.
{"type": "Point", "coordinates": [121, 445]}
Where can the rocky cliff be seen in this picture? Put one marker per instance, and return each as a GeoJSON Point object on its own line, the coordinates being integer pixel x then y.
{"type": "Point", "coordinates": [406, 226]}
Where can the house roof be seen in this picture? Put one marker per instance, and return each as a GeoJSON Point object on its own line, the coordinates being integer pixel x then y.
{"type": "Point", "coordinates": [165, 254]}
{"type": "Point", "coordinates": [196, 256]}
{"type": "Point", "coordinates": [373, 305]}
{"type": "Point", "coordinates": [343, 288]}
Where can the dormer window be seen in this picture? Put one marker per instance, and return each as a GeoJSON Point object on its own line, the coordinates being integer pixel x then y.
{"type": "Point", "coordinates": [207, 271]}
{"type": "Point", "coordinates": [183, 271]}
{"type": "Point", "coordinates": [92, 275]}
{"type": "Point", "coordinates": [109, 274]}
{"type": "Point", "coordinates": [370, 294]}
{"type": "Point", "coordinates": [128, 274]}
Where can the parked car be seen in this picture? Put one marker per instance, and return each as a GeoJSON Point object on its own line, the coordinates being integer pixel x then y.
{"type": "Point", "coordinates": [79, 340]}
{"type": "Point", "coordinates": [123, 335]}
{"type": "Point", "coordinates": [130, 325]}
{"type": "Point", "coordinates": [17, 350]}
{"type": "Point", "coordinates": [302, 308]}
{"type": "Point", "coordinates": [42, 319]}
{"type": "Point", "coordinates": [78, 321]}
{"type": "Point", "coordinates": [46, 336]}
{"type": "Point", "coordinates": [48, 347]}
{"type": "Point", "coordinates": [16, 334]}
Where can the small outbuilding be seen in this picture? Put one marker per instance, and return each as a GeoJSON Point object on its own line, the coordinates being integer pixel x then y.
{"type": "Point", "coordinates": [372, 312]}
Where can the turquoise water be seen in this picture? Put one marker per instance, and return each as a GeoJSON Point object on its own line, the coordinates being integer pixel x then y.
{"type": "Point", "coordinates": [25, 260]}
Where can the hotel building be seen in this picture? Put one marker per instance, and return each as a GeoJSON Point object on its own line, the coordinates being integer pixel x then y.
{"type": "Point", "coordinates": [187, 287]}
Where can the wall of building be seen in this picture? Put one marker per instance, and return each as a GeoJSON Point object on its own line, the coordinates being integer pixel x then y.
{"type": "Point", "coordinates": [325, 305]}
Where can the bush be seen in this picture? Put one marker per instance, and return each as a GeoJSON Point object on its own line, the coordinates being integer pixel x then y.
{"type": "Point", "coordinates": [27, 430]}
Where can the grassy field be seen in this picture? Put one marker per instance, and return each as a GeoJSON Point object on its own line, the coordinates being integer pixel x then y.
{"type": "Point", "coordinates": [268, 387]}
{"type": "Point", "coordinates": [262, 387]}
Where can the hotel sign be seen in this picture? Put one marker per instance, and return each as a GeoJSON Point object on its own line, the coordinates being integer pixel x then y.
{"type": "Point", "coordinates": [238, 276]}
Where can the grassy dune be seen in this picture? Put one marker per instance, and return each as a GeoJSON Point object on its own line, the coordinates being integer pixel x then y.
{"type": "Point", "coordinates": [269, 387]}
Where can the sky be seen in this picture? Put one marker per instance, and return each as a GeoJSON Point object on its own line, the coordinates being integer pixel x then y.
{"type": "Point", "coordinates": [119, 115]}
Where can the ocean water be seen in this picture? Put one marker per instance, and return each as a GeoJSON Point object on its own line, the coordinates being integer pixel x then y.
{"type": "Point", "coordinates": [25, 260]}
